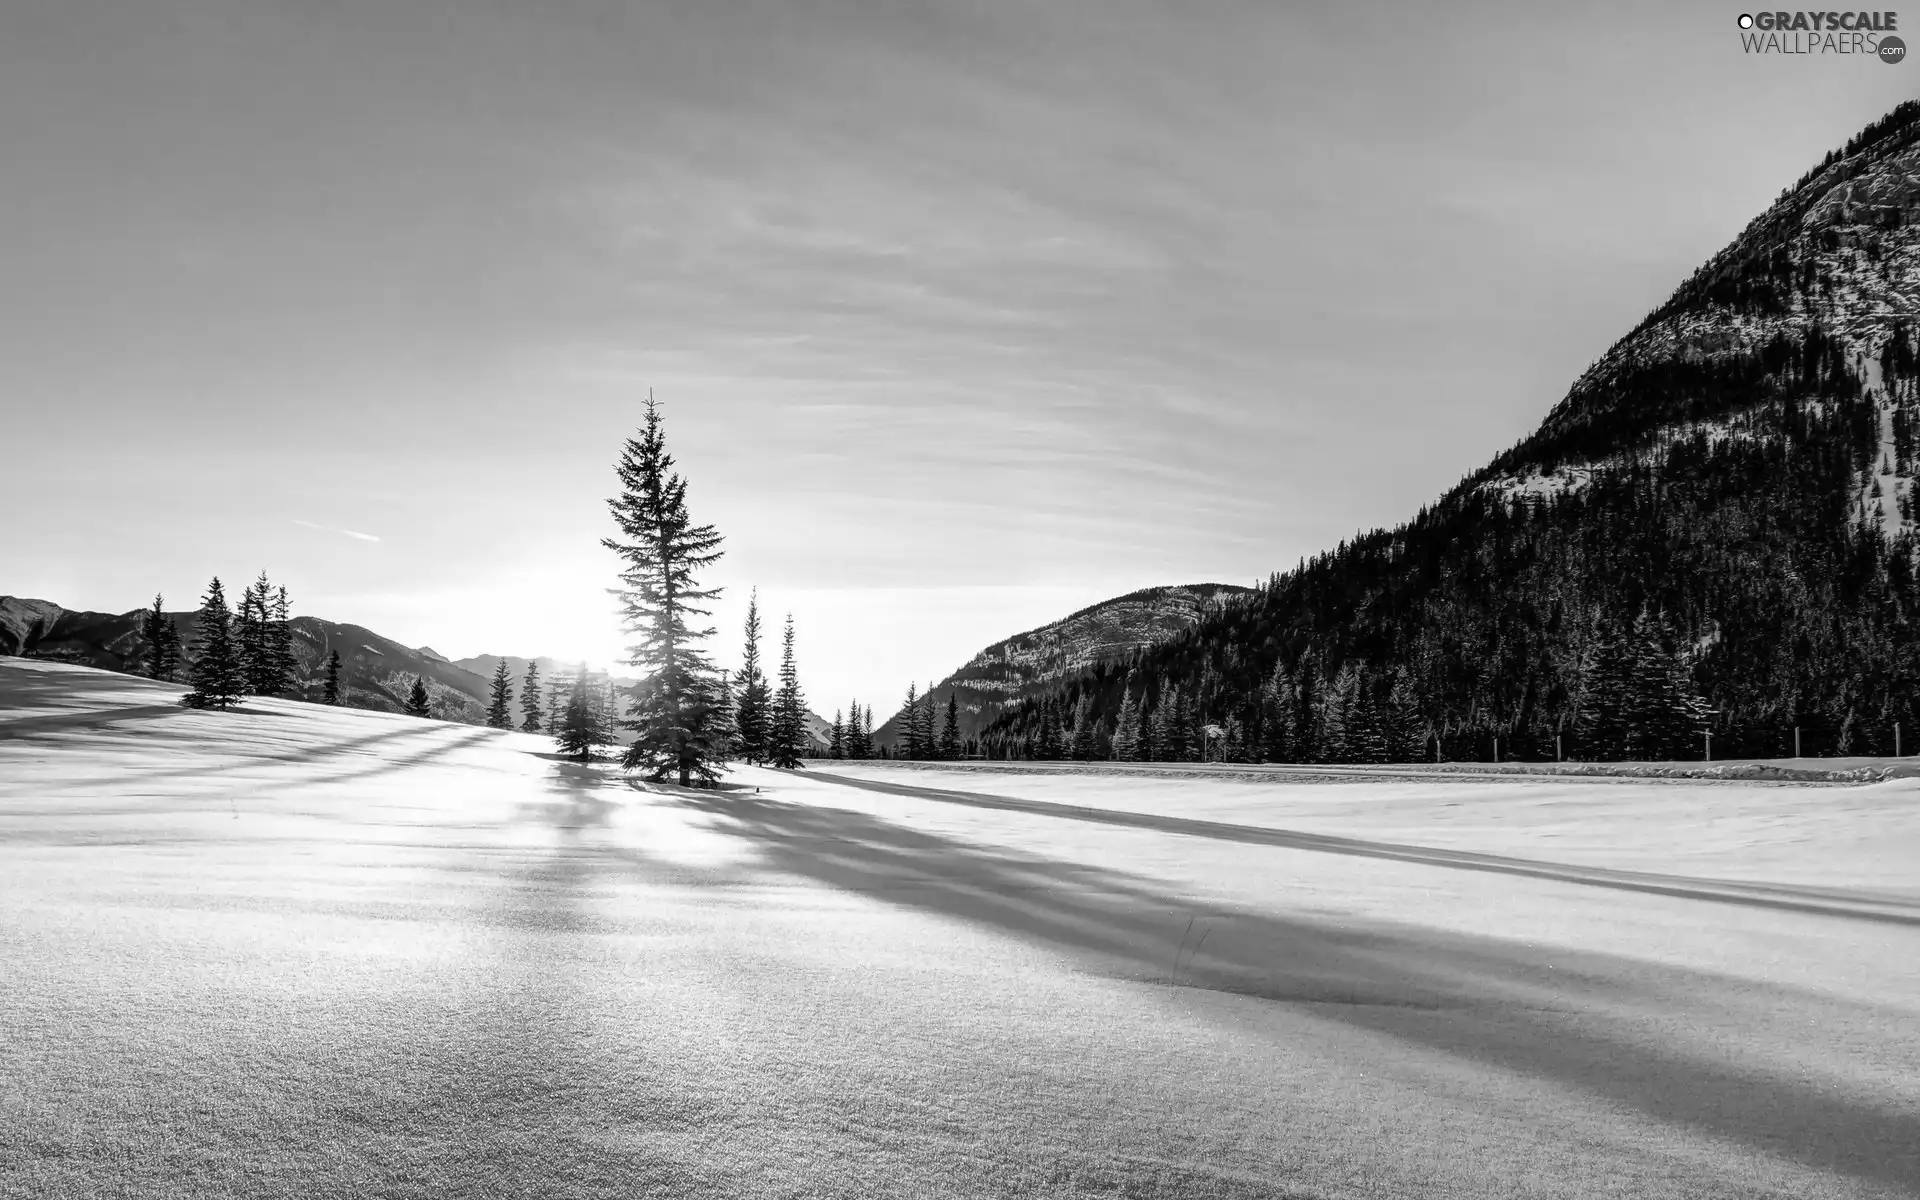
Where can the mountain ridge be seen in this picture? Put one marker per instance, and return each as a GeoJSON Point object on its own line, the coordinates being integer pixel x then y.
{"type": "Point", "coordinates": [1000, 674]}
{"type": "Point", "coordinates": [1731, 482]}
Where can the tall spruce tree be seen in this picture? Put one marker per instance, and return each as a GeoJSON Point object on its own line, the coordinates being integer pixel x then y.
{"type": "Point", "coordinates": [680, 717]}
{"type": "Point", "coordinates": [752, 713]}
{"type": "Point", "coordinates": [217, 677]}
{"type": "Point", "coordinates": [419, 703]}
{"type": "Point", "coordinates": [580, 729]}
{"type": "Point", "coordinates": [163, 641]}
{"type": "Point", "coordinates": [332, 693]}
{"type": "Point", "coordinates": [1080, 747]}
{"type": "Point", "coordinates": [281, 665]}
{"type": "Point", "coordinates": [907, 740]}
{"type": "Point", "coordinates": [950, 729]}
{"type": "Point", "coordinates": [252, 632]}
{"type": "Point", "coordinates": [530, 699]}
{"type": "Point", "coordinates": [1126, 728]}
{"type": "Point", "coordinates": [500, 702]}
{"type": "Point", "coordinates": [859, 738]}
{"type": "Point", "coordinates": [556, 706]}
{"type": "Point", "coordinates": [837, 737]}
{"type": "Point", "coordinates": [789, 724]}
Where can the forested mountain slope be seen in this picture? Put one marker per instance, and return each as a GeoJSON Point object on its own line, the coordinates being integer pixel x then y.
{"type": "Point", "coordinates": [1029, 663]}
{"type": "Point", "coordinates": [1714, 531]}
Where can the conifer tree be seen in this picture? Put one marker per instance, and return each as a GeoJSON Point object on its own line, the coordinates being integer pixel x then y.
{"type": "Point", "coordinates": [501, 699]}
{"type": "Point", "coordinates": [752, 711]}
{"type": "Point", "coordinates": [907, 741]}
{"type": "Point", "coordinates": [556, 706]}
{"type": "Point", "coordinates": [681, 719]}
{"type": "Point", "coordinates": [1126, 727]}
{"type": "Point", "coordinates": [163, 642]}
{"type": "Point", "coordinates": [950, 730]}
{"type": "Point", "coordinates": [859, 736]}
{"type": "Point", "coordinates": [530, 700]}
{"type": "Point", "coordinates": [580, 730]}
{"type": "Point", "coordinates": [254, 635]}
{"type": "Point", "coordinates": [419, 703]}
{"type": "Point", "coordinates": [836, 738]}
{"type": "Point", "coordinates": [216, 674]}
{"type": "Point", "coordinates": [1175, 735]}
{"type": "Point", "coordinates": [1080, 748]}
{"type": "Point", "coordinates": [332, 693]}
{"type": "Point", "coordinates": [789, 724]}
{"type": "Point", "coordinates": [281, 663]}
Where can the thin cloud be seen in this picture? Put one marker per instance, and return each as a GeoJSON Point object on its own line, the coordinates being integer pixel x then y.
{"type": "Point", "coordinates": [365, 537]}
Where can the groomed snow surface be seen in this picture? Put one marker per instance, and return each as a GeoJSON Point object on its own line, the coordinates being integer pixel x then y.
{"type": "Point", "coordinates": [300, 952]}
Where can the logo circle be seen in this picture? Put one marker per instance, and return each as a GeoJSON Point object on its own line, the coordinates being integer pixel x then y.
{"type": "Point", "coordinates": [1892, 50]}
{"type": "Point", "coordinates": [1746, 20]}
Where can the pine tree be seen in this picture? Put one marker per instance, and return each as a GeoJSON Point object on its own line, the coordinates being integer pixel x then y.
{"type": "Point", "coordinates": [1176, 744]}
{"type": "Point", "coordinates": [161, 639]}
{"type": "Point", "coordinates": [556, 707]}
{"type": "Point", "coordinates": [680, 717]}
{"type": "Point", "coordinates": [789, 723]}
{"type": "Point", "coordinates": [419, 703]}
{"type": "Point", "coordinates": [859, 736]}
{"type": "Point", "coordinates": [332, 694]}
{"type": "Point", "coordinates": [907, 741]}
{"type": "Point", "coordinates": [1366, 735]}
{"type": "Point", "coordinates": [837, 738]}
{"type": "Point", "coordinates": [501, 699]}
{"type": "Point", "coordinates": [1277, 709]}
{"type": "Point", "coordinates": [216, 673]}
{"type": "Point", "coordinates": [1126, 727]}
{"type": "Point", "coordinates": [752, 706]}
{"type": "Point", "coordinates": [950, 730]}
{"type": "Point", "coordinates": [530, 699]}
{"type": "Point", "coordinates": [580, 729]}
{"type": "Point", "coordinates": [254, 635]}
{"type": "Point", "coordinates": [1080, 747]}
{"type": "Point", "coordinates": [281, 664]}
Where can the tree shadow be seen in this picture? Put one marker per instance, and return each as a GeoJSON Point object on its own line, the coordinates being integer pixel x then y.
{"type": "Point", "coordinates": [1827, 902]}
{"type": "Point", "coordinates": [1586, 1021]}
{"type": "Point", "coordinates": [23, 728]}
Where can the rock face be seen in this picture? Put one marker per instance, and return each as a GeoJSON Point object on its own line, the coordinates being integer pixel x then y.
{"type": "Point", "coordinates": [1008, 671]}
{"type": "Point", "coordinates": [1732, 480]}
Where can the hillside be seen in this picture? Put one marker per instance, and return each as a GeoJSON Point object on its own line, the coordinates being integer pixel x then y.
{"type": "Point", "coordinates": [1723, 503]}
{"type": "Point", "coordinates": [1027, 664]}
{"type": "Point", "coordinates": [376, 671]}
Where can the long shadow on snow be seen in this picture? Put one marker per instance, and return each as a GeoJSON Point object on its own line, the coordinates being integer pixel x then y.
{"type": "Point", "coordinates": [1587, 1021]}
{"type": "Point", "coordinates": [1826, 902]}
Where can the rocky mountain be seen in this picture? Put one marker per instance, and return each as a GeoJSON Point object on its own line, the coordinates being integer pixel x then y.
{"type": "Point", "coordinates": [1718, 518]}
{"type": "Point", "coordinates": [1027, 664]}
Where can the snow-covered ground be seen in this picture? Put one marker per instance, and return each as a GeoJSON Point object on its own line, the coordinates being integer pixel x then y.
{"type": "Point", "coordinates": [290, 951]}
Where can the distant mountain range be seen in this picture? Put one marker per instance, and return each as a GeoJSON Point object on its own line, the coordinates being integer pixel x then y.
{"type": "Point", "coordinates": [1028, 664]}
{"type": "Point", "coordinates": [376, 672]}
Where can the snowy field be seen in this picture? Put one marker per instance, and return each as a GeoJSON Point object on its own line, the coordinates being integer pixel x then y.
{"type": "Point", "coordinates": [290, 951]}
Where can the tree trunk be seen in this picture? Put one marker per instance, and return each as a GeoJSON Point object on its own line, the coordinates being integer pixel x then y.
{"type": "Point", "coordinates": [686, 774]}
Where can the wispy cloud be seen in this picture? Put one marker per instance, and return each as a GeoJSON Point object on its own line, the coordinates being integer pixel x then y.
{"type": "Point", "coordinates": [365, 537]}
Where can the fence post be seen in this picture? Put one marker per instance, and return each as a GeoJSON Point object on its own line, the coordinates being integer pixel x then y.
{"type": "Point", "coordinates": [1709, 736]}
{"type": "Point", "coordinates": [1796, 741]}
{"type": "Point", "coordinates": [1496, 747]}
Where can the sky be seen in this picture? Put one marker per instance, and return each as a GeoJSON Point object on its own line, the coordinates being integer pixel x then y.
{"type": "Point", "coordinates": [962, 315]}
